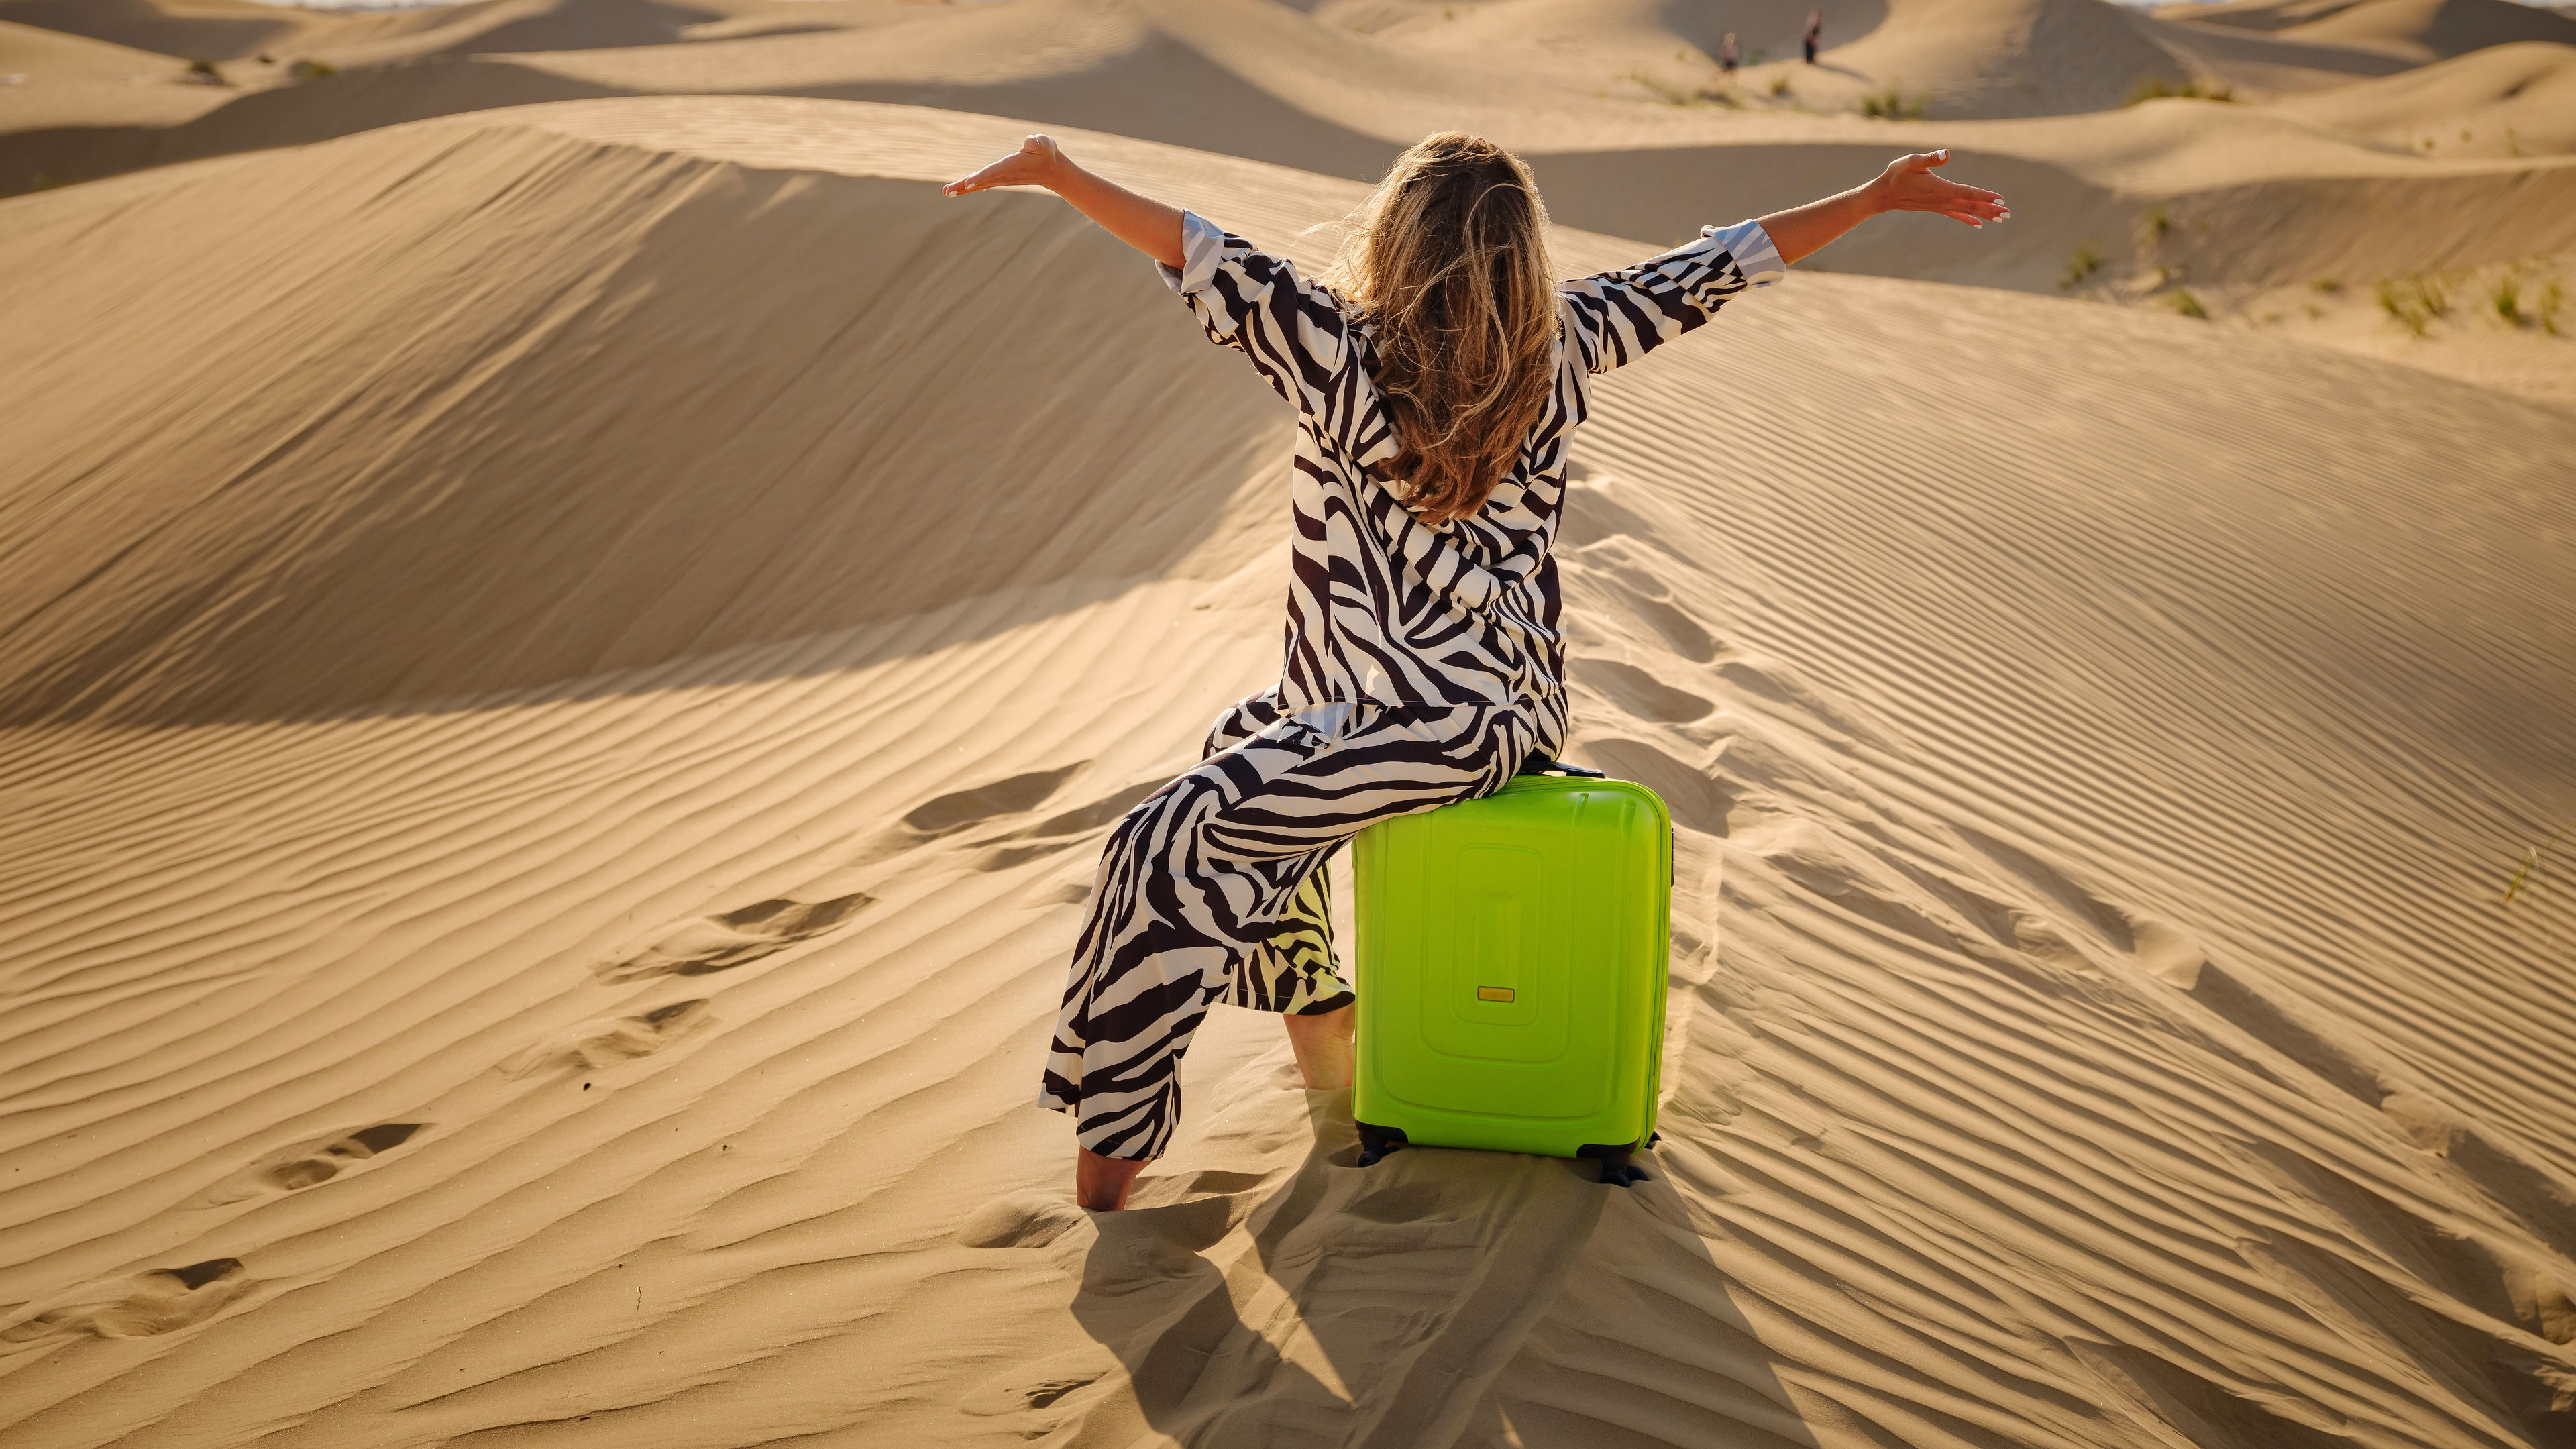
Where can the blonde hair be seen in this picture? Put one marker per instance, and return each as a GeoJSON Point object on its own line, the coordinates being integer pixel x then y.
{"type": "Point", "coordinates": [1449, 265]}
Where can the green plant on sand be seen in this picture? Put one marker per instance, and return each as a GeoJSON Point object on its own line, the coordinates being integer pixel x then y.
{"type": "Point", "coordinates": [2154, 227]}
{"type": "Point", "coordinates": [2526, 884]}
{"type": "Point", "coordinates": [2157, 88]}
{"type": "Point", "coordinates": [2086, 260]}
{"type": "Point", "coordinates": [2526, 872]}
{"type": "Point", "coordinates": [2182, 301]}
{"type": "Point", "coordinates": [2412, 302]}
{"type": "Point", "coordinates": [2507, 302]}
{"type": "Point", "coordinates": [1892, 104]}
{"type": "Point", "coordinates": [1673, 95]}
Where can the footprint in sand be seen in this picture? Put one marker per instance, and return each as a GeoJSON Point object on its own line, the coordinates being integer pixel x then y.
{"type": "Point", "coordinates": [1029, 1219]}
{"type": "Point", "coordinates": [309, 1164]}
{"type": "Point", "coordinates": [1063, 829]}
{"type": "Point", "coordinates": [1697, 802]}
{"type": "Point", "coordinates": [157, 1300]}
{"type": "Point", "coordinates": [2202, 1411]}
{"type": "Point", "coordinates": [1640, 693]}
{"type": "Point", "coordinates": [1067, 893]}
{"type": "Point", "coordinates": [609, 1040]}
{"type": "Point", "coordinates": [2522, 1284]}
{"type": "Point", "coordinates": [1121, 1252]}
{"type": "Point", "coordinates": [720, 943]}
{"type": "Point", "coordinates": [1681, 632]}
{"type": "Point", "coordinates": [945, 815]}
{"type": "Point", "coordinates": [1042, 1384]}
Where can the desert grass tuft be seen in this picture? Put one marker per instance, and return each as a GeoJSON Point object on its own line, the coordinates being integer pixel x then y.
{"type": "Point", "coordinates": [2157, 88]}
{"type": "Point", "coordinates": [1892, 104]}
{"type": "Point", "coordinates": [2507, 302]}
{"type": "Point", "coordinates": [2086, 260]}
{"type": "Point", "coordinates": [1674, 95]}
{"type": "Point", "coordinates": [2413, 302]}
{"type": "Point", "coordinates": [2153, 228]}
{"type": "Point", "coordinates": [2524, 885]}
{"type": "Point", "coordinates": [2183, 302]}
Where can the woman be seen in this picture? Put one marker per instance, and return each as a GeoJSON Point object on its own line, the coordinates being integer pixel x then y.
{"type": "Point", "coordinates": [1438, 372]}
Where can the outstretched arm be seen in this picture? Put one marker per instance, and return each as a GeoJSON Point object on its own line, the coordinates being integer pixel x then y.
{"type": "Point", "coordinates": [1140, 221]}
{"type": "Point", "coordinates": [1906, 185]}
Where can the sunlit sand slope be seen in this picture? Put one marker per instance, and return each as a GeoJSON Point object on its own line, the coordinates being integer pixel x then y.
{"type": "Point", "coordinates": [49, 79]}
{"type": "Point", "coordinates": [244, 30]}
{"type": "Point", "coordinates": [2410, 31]}
{"type": "Point", "coordinates": [1959, 57]}
{"type": "Point", "coordinates": [2506, 100]}
{"type": "Point", "coordinates": [207, 29]}
{"type": "Point", "coordinates": [2252, 197]}
{"type": "Point", "coordinates": [574, 688]}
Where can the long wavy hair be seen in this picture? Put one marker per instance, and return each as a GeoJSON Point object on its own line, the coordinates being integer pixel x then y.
{"type": "Point", "coordinates": [1449, 264]}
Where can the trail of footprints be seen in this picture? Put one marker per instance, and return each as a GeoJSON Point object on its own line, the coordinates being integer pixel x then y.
{"type": "Point", "coordinates": [165, 1299]}
{"type": "Point", "coordinates": [309, 1164]}
{"type": "Point", "coordinates": [156, 1300]}
{"type": "Point", "coordinates": [2477, 1312]}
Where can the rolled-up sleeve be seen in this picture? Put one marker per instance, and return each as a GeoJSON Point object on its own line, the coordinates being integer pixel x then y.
{"type": "Point", "coordinates": [1202, 244]}
{"type": "Point", "coordinates": [1615, 317]}
{"type": "Point", "coordinates": [1296, 334]}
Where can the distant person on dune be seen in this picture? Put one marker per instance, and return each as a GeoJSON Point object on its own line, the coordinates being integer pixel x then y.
{"type": "Point", "coordinates": [1815, 33]}
{"type": "Point", "coordinates": [1438, 371]}
{"type": "Point", "coordinates": [1727, 56]}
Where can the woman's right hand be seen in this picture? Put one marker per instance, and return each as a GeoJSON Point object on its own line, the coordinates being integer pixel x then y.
{"type": "Point", "coordinates": [1909, 185]}
{"type": "Point", "coordinates": [1038, 162]}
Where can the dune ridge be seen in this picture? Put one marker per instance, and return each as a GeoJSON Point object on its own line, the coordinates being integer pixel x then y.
{"type": "Point", "coordinates": [2091, 1023]}
{"type": "Point", "coordinates": [2262, 197]}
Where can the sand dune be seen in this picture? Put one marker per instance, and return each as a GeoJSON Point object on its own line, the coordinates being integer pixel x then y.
{"type": "Point", "coordinates": [2506, 100]}
{"type": "Point", "coordinates": [2501, 326]}
{"type": "Point", "coordinates": [2257, 64]}
{"type": "Point", "coordinates": [49, 79]}
{"type": "Point", "coordinates": [568, 699]}
{"type": "Point", "coordinates": [2413, 31]}
{"type": "Point", "coordinates": [2255, 198]}
{"type": "Point", "coordinates": [2252, 197]}
{"type": "Point", "coordinates": [71, 57]}
{"type": "Point", "coordinates": [1981, 58]}
{"type": "Point", "coordinates": [208, 29]}
{"type": "Point", "coordinates": [259, 44]}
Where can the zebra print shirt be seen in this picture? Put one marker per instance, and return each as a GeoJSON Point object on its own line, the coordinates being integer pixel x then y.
{"type": "Point", "coordinates": [1381, 607]}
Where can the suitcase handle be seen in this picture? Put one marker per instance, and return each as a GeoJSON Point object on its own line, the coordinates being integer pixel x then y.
{"type": "Point", "coordinates": [1539, 764]}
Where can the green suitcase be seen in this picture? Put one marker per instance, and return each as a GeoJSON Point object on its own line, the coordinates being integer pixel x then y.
{"type": "Point", "coordinates": [1511, 962]}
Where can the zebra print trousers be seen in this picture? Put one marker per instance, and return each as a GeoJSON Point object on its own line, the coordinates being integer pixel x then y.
{"type": "Point", "coordinates": [1212, 888]}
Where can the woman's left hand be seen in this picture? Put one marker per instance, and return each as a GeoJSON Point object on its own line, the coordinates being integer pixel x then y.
{"type": "Point", "coordinates": [1909, 185]}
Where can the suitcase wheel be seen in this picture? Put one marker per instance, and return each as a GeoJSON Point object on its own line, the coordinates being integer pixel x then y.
{"type": "Point", "coordinates": [1615, 1168]}
{"type": "Point", "coordinates": [1376, 1142]}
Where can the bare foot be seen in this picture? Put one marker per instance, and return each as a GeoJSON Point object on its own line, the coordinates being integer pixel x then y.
{"type": "Point", "coordinates": [1101, 1183]}
{"type": "Point", "coordinates": [1323, 1047]}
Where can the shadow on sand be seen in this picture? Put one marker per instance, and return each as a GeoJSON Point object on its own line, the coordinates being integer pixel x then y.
{"type": "Point", "coordinates": [1438, 1298]}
